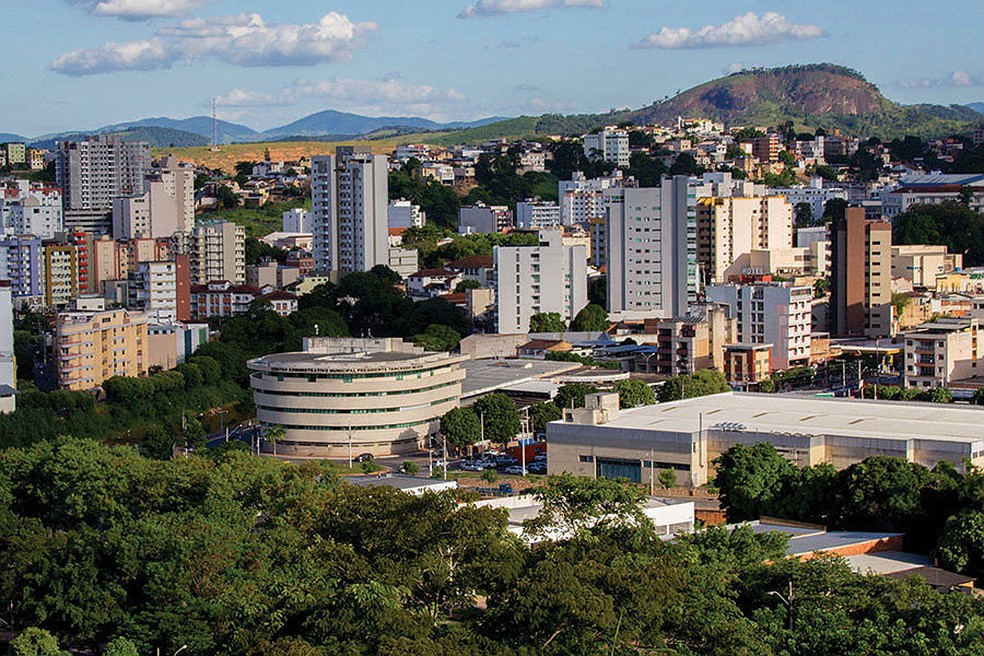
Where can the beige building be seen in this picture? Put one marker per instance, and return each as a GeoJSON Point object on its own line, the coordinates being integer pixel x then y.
{"type": "Point", "coordinates": [728, 228]}
{"type": "Point", "coordinates": [91, 346]}
{"type": "Point", "coordinates": [217, 251]}
{"type": "Point", "coordinates": [922, 263]}
{"type": "Point", "coordinates": [686, 436]}
{"type": "Point", "coordinates": [747, 363]}
{"type": "Point", "coordinates": [685, 345]}
{"type": "Point", "coordinates": [944, 350]}
{"type": "Point", "coordinates": [60, 274]}
{"type": "Point", "coordinates": [342, 397]}
{"type": "Point", "coordinates": [812, 260]}
{"type": "Point", "coordinates": [861, 276]}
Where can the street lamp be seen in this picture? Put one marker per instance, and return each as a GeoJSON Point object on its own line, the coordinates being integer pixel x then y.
{"type": "Point", "coordinates": [786, 600]}
{"type": "Point", "coordinates": [180, 649]}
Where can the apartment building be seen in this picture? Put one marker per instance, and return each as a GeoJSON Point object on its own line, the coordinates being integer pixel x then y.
{"type": "Point", "coordinates": [296, 220]}
{"type": "Point", "coordinates": [861, 276]}
{"type": "Point", "coordinates": [747, 363]}
{"type": "Point", "coordinates": [217, 251]}
{"type": "Point", "coordinates": [349, 205]}
{"type": "Point", "coordinates": [162, 290]}
{"type": "Point", "coordinates": [536, 214]}
{"type": "Point", "coordinates": [484, 219]}
{"type": "Point", "coordinates": [36, 214]}
{"type": "Point", "coordinates": [93, 172]}
{"type": "Point", "coordinates": [921, 264]}
{"type": "Point", "coordinates": [60, 274]}
{"type": "Point", "coordinates": [166, 206]}
{"type": "Point", "coordinates": [944, 350]}
{"type": "Point", "coordinates": [21, 264]}
{"type": "Point", "coordinates": [769, 313]}
{"type": "Point", "coordinates": [728, 229]}
{"type": "Point", "coordinates": [610, 144]}
{"type": "Point", "coordinates": [91, 346]}
{"type": "Point", "coordinates": [582, 200]}
{"type": "Point", "coordinates": [652, 249]}
{"type": "Point", "coordinates": [404, 214]}
{"type": "Point", "coordinates": [815, 194]}
{"type": "Point", "coordinates": [548, 277]}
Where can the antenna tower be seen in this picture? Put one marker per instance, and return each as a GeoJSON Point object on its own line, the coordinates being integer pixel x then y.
{"type": "Point", "coordinates": [215, 128]}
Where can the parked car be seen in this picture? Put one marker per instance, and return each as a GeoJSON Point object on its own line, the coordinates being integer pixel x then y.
{"type": "Point", "coordinates": [365, 457]}
{"type": "Point", "coordinates": [540, 457]}
{"type": "Point", "coordinates": [515, 470]}
{"type": "Point", "coordinates": [471, 465]}
{"type": "Point", "coordinates": [505, 461]}
{"type": "Point", "coordinates": [537, 468]}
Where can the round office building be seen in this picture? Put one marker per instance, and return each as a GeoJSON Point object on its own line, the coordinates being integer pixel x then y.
{"type": "Point", "coordinates": [343, 397]}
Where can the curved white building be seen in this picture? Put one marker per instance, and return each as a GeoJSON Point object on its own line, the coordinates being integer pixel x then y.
{"type": "Point", "coordinates": [345, 396]}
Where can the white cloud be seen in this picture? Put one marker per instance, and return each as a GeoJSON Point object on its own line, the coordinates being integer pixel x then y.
{"type": "Point", "coordinates": [243, 40]}
{"type": "Point", "coordinates": [747, 30]}
{"type": "Point", "coordinates": [139, 9]}
{"type": "Point", "coordinates": [958, 78]}
{"type": "Point", "coordinates": [497, 7]}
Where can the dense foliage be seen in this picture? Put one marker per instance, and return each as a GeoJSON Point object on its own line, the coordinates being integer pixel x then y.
{"type": "Point", "coordinates": [702, 383]}
{"type": "Point", "coordinates": [951, 224]}
{"type": "Point", "coordinates": [110, 552]}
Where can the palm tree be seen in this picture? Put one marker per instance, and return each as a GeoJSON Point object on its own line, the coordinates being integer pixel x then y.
{"type": "Point", "coordinates": [274, 434]}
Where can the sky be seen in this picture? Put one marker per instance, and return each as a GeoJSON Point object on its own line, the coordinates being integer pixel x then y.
{"type": "Point", "coordinates": [83, 64]}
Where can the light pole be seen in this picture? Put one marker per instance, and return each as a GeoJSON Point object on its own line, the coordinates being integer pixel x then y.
{"type": "Point", "coordinates": [786, 600]}
{"type": "Point", "coordinates": [180, 649]}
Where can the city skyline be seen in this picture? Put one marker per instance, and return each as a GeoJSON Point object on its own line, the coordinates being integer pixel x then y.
{"type": "Point", "coordinates": [269, 64]}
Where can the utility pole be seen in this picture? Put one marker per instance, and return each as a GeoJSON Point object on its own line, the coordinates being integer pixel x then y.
{"type": "Point", "coordinates": [652, 472]}
{"type": "Point", "coordinates": [350, 445]}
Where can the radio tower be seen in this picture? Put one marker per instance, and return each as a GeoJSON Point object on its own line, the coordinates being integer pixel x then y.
{"type": "Point", "coordinates": [215, 128]}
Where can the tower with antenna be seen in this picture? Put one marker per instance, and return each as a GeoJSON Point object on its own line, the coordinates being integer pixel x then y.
{"type": "Point", "coordinates": [215, 128]}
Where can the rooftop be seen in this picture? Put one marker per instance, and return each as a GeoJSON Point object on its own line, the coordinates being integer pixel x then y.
{"type": "Point", "coordinates": [350, 362]}
{"type": "Point", "coordinates": [787, 414]}
{"type": "Point", "coordinates": [486, 376]}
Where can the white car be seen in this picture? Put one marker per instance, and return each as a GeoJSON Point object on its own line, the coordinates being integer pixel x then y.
{"type": "Point", "coordinates": [515, 470]}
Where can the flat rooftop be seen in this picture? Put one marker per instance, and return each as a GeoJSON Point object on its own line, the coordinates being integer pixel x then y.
{"type": "Point", "coordinates": [487, 376]}
{"type": "Point", "coordinates": [781, 413]}
{"type": "Point", "coordinates": [319, 362]}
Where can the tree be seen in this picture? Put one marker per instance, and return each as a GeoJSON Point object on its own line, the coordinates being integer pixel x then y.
{"type": "Point", "coordinates": [578, 506]}
{"type": "Point", "coordinates": [193, 434]}
{"type": "Point", "coordinates": [634, 392]}
{"type": "Point", "coordinates": [438, 338]}
{"type": "Point", "coordinates": [703, 383]}
{"type": "Point", "coordinates": [499, 416]}
{"type": "Point", "coordinates": [409, 467]}
{"type": "Point", "coordinates": [803, 215]}
{"type": "Point", "coordinates": [598, 291]}
{"type": "Point", "coordinates": [274, 434]}
{"type": "Point", "coordinates": [820, 287]}
{"type": "Point", "coordinates": [542, 413]}
{"type": "Point", "coordinates": [835, 209]}
{"type": "Point", "coordinates": [787, 158]}
{"type": "Point", "coordinates": [667, 478]}
{"type": "Point", "coordinates": [547, 322]}
{"type": "Point", "coordinates": [121, 647]}
{"type": "Point", "coordinates": [949, 224]}
{"type": "Point", "coordinates": [461, 427]}
{"type": "Point", "coordinates": [35, 642]}
{"type": "Point", "coordinates": [978, 398]}
{"type": "Point", "coordinates": [572, 395]}
{"type": "Point", "coordinates": [466, 284]}
{"type": "Point", "coordinates": [751, 480]}
{"type": "Point", "coordinates": [489, 475]}
{"type": "Point", "coordinates": [883, 493]}
{"type": "Point", "coordinates": [591, 318]}
{"type": "Point", "coordinates": [961, 548]}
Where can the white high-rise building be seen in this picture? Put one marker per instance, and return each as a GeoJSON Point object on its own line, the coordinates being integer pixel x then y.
{"type": "Point", "coordinates": [730, 228]}
{"type": "Point", "coordinates": [404, 214]}
{"type": "Point", "coordinates": [296, 220]}
{"type": "Point", "coordinates": [769, 313]}
{"type": "Point", "coordinates": [536, 214]}
{"type": "Point", "coordinates": [92, 173]}
{"type": "Point", "coordinates": [610, 144]}
{"type": "Point", "coordinates": [549, 277]}
{"type": "Point", "coordinates": [153, 289]}
{"type": "Point", "coordinates": [349, 206]}
{"type": "Point", "coordinates": [35, 215]}
{"type": "Point", "coordinates": [8, 368]}
{"type": "Point", "coordinates": [582, 199]}
{"type": "Point", "coordinates": [652, 249]}
{"type": "Point", "coordinates": [166, 206]}
{"type": "Point", "coordinates": [217, 252]}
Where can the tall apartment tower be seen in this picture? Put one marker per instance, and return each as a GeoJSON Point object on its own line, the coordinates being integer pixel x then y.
{"type": "Point", "coordinates": [166, 206]}
{"type": "Point", "coordinates": [730, 228]}
{"type": "Point", "coordinates": [217, 251]}
{"type": "Point", "coordinates": [350, 202]}
{"type": "Point", "coordinates": [548, 277]}
{"type": "Point", "coordinates": [92, 173]}
{"type": "Point", "coordinates": [861, 276]}
{"type": "Point", "coordinates": [652, 250]}
{"type": "Point", "coordinates": [610, 144]}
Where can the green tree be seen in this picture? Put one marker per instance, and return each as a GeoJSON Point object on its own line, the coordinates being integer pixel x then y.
{"type": "Point", "coordinates": [820, 287]}
{"type": "Point", "coordinates": [634, 392]}
{"type": "Point", "coordinates": [542, 413]}
{"type": "Point", "coordinates": [572, 395]}
{"type": "Point", "coordinates": [121, 647]}
{"type": "Point", "coordinates": [667, 478]}
{"type": "Point", "coordinates": [438, 338]}
{"type": "Point", "coordinates": [883, 493]}
{"type": "Point", "coordinates": [787, 158]}
{"type": "Point", "coordinates": [751, 480]}
{"type": "Point", "coordinates": [579, 506]}
{"type": "Point", "coordinates": [490, 475]}
{"type": "Point", "coordinates": [961, 547]}
{"type": "Point", "coordinates": [461, 427]}
{"type": "Point", "coordinates": [274, 434]}
{"type": "Point", "coordinates": [409, 467]}
{"type": "Point", "coordinates": [468, 283]}
{"type": "Point", "coordinates": [598, 291]}
{"type": "Point", "coordinates": [703, 383]}
{"type": "Point", "coordinates": [500, 417]}
{"type": "Point", "coordinates": [803, 216]}
{"type": "Point", "coordinates": [591, 318]}
{"type": "Point", "coordinates": [35, 642]}
{"type": "Point", "coordinates": [547, 322]}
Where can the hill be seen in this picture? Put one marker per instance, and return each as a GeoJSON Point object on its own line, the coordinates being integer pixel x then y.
{"type": "Point", "coordinates": [331, 122]}
{"type": "Point", "coordinates": [200, 125]}
{"type": "Point", "coordinates": [814, 95]}
{"type": "Point", "coordinates": [157, 137]}
{"type": "Point", "coordinates": [977, 107]}
{"type": "Point", "coordinates": [7, 137]}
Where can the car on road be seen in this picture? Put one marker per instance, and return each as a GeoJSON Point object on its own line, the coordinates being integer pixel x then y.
{"type": "Point", "coordinates": [365, 457]}
{"type": "Point", "coordinates": [514, 470]}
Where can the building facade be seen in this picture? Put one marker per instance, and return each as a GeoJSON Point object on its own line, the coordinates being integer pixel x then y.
{"type": "Point", "coordinates": [609, 144]}
{"type": "Point", "coordinates": [217, 251]}
{"type": "Point", "coordinates": [484, 219]}
{"type": "Point", "coordinates": [535, 214]}
{"type": "Point", "coordinates": [942, 351]}
{"type": "Point", "coordinates": [340, 397]}
{"type": "Point", "coordinates": [90, 347]}
{"type": "Point", "coordinates": [861, 276]}
{"type": "Point", "coordinates": [349, 209]}
{"type": "Point", "coordinates": [548, 277]}
{"type": "Point", "coordinates": [728, 229]}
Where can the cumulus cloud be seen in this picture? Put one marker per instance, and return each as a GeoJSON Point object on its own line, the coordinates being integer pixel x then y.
{"type": "Point", "coordinates": [483, 8]}
{"type": "Point", "coordinates": [958, 78]}
{"type": "Point", "coordinates": [741, 31]}
{"type": "Point", "coordinates": [381, 95]}
{"type": "Point", "coordinates": [139, 9]}
{"type": "Point", "coordinates": [243, 40]}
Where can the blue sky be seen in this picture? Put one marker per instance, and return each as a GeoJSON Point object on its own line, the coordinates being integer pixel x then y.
{"type": "Point", "coordinates": [81, 64]}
